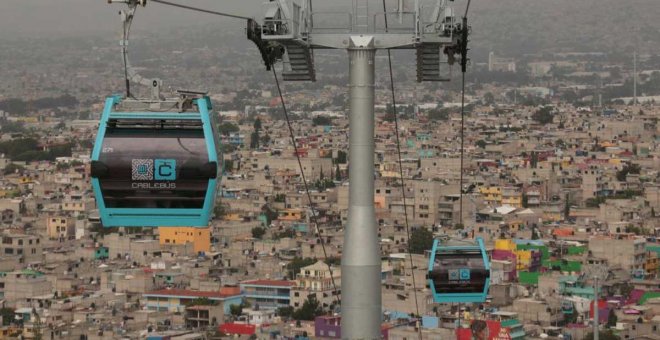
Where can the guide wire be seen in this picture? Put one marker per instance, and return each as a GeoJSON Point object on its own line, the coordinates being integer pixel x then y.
{"type": "Point", "coordinates": [309, 196]}
{"type": "Point", "coordinates": [197, 9]}
{"type": "Point", "coordinates": [403, 182]}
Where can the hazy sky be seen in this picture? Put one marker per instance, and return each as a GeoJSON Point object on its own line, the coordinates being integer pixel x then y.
{"type": "Point", "coordinates": [52, 18]}
{"type": "Point", "coordinates": [59, 18]}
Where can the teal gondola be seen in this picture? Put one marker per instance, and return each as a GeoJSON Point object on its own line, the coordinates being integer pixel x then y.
{"type": "Point", "coordinates": [155, 163]}
{"type": "Point", "coordinates": [459, 274]}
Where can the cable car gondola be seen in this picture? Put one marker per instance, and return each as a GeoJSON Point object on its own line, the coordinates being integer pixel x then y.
{"type": "Point", "coordinates": [155, 162]}
{"type": "Point", "coordinates": [567, 307]}
{"type": "Point", "coordinates": [459, 273]}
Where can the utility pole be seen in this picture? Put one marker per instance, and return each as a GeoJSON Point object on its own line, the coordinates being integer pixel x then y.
{"type": "Point", "coordinates": [289, 24]}
{"type": "Point", "coordinates": [597, 272]}
{"type": "Point", "coordinates": [596, 319]}
{"type": "Point", "coordinates": [635, 77]}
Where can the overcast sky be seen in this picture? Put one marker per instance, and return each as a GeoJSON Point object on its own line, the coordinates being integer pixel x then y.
{"type": "Point", "coordinates": [52, 18]}
{"type": "Point", "coordinates": [61, 18]}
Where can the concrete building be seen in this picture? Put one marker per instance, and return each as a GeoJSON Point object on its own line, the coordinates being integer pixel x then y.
{"type": "Point", "coordinates": [269, 294]}
{"type": "Point", "coordinates": [20, 285]}
{"type": "Point", "coordinates": [27, 248]}
{"type": "Point", "coordinates": [625, 250]}
{"type": "Point", "coordinates": [315, 280]}
{"type": "Point", "coordinates": [203, 316]}
{"type": "Point", "coordinates": [176, 300]}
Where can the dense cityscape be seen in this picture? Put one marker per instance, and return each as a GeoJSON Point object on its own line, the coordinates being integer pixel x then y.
{"type": "Point", "coordinates": [558, 171]}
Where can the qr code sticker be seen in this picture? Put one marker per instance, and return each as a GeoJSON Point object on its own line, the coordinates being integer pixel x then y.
{"type": "Point", "coordinates": [143, 169]}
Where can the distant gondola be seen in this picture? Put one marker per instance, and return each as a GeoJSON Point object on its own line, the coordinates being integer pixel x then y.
{"type": "Point", "coordinates": [459, 273]}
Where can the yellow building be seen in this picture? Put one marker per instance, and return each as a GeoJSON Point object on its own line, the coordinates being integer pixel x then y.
{"type": "Point", "coordinates": [199, 237]}
{"type": "Point", "coordinates": [290, 215]}
{"type": "Point", "coordinates": [492, 195]}
{"type": "Point", "coordinates": [59, 227]}
{"type": "Point", "coordinates": [524, 259]}
{"type": "Point", "coordinates": [504, 244]}
{"type": "Point", "coordinates": [512, 196]}
{"type": "Point", "coordinates": [652, 264]}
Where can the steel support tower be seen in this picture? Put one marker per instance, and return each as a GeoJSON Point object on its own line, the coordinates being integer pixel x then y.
{"type": "Point", "coordinates": [293, 27]}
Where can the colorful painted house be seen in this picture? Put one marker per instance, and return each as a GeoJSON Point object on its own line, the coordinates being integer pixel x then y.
{"type": "Point", "coordinates": [267, 294]}
{"type": "Point", "coordinates": [176, 300]}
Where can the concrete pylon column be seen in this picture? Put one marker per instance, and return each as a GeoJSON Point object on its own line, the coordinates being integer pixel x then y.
{"type": "Point", "coordinates": [361, 266]}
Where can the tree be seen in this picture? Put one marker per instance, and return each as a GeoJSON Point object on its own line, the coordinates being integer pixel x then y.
{"type": "Point", "coordinates": [13, 168]}
{"type": "Point", "coordinates": [236, 310]}
{"type": "Point", "coordinates": [270, 213]}
{"type": "Point", "coordinates": [258, 232]}
{"type": "Point", "coordinates": [337, 173]}
{"type": "Point", "coordinates": [227, 128]}
{"type": "Point", "coordinates": [342, 157]}
{"type": "Point", "coordinates": [254, 140]}
{"type": "Point", "coordinates": [421, 240]}
{"type": "Point", "coordinates": [321, 120]}
{"type": "Point", "coordinates": [535, 234]}
{"type": "Point", "coordinates": [6, 315]}
{"type": "Point", "coordinates": [489, 99]}
{"type": "Point", "coordinates": [310, 309]}
{"type": "Point", "coordinates": [257, 124]}
{"type": "Point", "coordinates": [220, 210]}
{"type": "Point", "coordinates": [543, 115]}
{"type": "Point", "coordinates": [294, 266]}
{"type": "Point", "coordinates": [228, 165]}
{"type": "Point", "coordinates": [285, 312]}
{"type": "Point", "coordinates": [612, 319]}
{"type": "Point", "coordinates": [481, 144]}
{"type": "Point", "coordinates": [603, 335]}
{"type": "Point", "coordinates": [631, 168]}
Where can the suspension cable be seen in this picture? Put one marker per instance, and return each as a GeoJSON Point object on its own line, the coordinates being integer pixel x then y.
{"type": "Point", "coordinates": [403, 182]}
{"type": "Point", "coordinates": [200, 9]}
{"type": "Point", "coordinates": [309, 196]}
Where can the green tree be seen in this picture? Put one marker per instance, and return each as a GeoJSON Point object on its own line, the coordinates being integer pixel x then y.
{"type": "Point", "coordinates": [270, 213]}
{"type": "Point", "coordinates": [612, 319]}
{"type": "Point", "coordinates": [6, 314]}
{"type": "Point", "coordinates": [543, 115]}
{"type": "Point", "coordinates": [603, 335]}
{"type": "Point", "coordinates": [236, 310]}
{"type": "Point", "coordinates": [294, 266]}
{"type": "Point", "coordinates": [337, 173]}
{"type": "Point", "coordinates": [258, 232]}
{"type": "Point", "coordinates": [227, 128]}
{"type": "Point", "coordinates": [257, 124]}
{"type": "Point", "coordinates": [421, 240]}
{"type": "Point", "coordinates": [13, 168]}
{"type": "Point", "coordinates": [342, 157]}
{"type": "Point", "coordinates": [489, 99]}
{"type": "Point", "coordinates": [285, 312]}
{"type": "Point", "coordinates": [631, 168]}
{"type": "Point", "coordinates": [254, 140]}
{"type": "Point", "coordinates": [481, 144]}
{"type": "Point", "coordinates": [220, 210]}
{"type": "Point", "coordinates": [535, 234]}
{"type": "Point", "coordinates": [321, 120]}
{"type": "Point", "coordinates": [310, 309]}
{"type": "Point", "coordinates": [228, 165]}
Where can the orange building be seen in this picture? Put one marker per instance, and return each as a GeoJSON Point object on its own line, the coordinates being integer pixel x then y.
{"type": "Point", "coordinates": [199, 237]}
